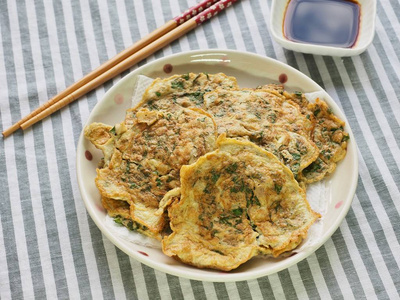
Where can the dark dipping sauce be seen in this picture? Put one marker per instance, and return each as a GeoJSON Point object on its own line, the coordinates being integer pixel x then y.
{"type": "Point", "coordinates": [323, 22]}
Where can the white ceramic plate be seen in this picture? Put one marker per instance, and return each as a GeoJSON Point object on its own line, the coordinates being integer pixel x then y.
{"type": "Point", "coordinates": [250, 70]}
{"type": "Point", "coordinates": [365, 35]}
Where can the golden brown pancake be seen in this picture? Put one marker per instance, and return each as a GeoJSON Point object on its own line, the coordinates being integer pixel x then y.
{"type": "Point", "coordinates": [183, 90]}
{"type": "Point", "coordinates": [266, 118]}
{"type": "Point", "coordinates": [147, 158]}
{"type": "Point", "coordinates": [226, 205]}
{"type": "Point", "coordinates": [120, 211]}
{"type": "Point", "coordinates": [328, 134]}
{"type": "Point", "coordinates": [236, 202]}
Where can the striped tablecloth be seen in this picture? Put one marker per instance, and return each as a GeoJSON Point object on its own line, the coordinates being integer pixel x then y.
{"type": "Point", "coordinates": [49, 246]}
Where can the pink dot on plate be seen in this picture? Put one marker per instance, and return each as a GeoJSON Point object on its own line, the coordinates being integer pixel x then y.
{"type": "Point", "coordinates": [167, 68]}
{"type": "Point", "coordinates": [283, 78]}
{"type": "Point", "coordinates": [143, 253]}
{"type": "Point", "coordinates": [88, 155]}
{"type": "Point", "coordinates": [119, 99]}
{"type": "Point", "coordinates": [339, 204]}
{"type": "Point", "coordinates": [100, 208]}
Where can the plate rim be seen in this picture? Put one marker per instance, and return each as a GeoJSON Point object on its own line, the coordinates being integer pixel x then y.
{"type": "Point", "coordinates": [214, 276]}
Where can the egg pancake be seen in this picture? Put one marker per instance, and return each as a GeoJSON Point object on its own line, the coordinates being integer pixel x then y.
{"type": "Point", "coordinates": [236, 202]}
{"type": "Point", "coordinates": [120, 211]}
{"type": "Point", "coordinates": [328, 134]}
{"type": "Point", "coordinates": [230, 199]}
{"type": "Point", "coordinates": [147, 158]}
{"type": "Point", "coordinates": [184, 90]}
{"type": "Point", "coordinates": [268, 119]}
{"type": "Point", "coordinates": [102, 136]}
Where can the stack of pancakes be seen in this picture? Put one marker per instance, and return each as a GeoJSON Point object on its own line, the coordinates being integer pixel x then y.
{"type": "Point", "coordinates": [216, 172]}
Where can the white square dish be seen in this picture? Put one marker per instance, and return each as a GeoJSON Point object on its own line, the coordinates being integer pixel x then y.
{"type": "Point", "coordinates": [364, 39]}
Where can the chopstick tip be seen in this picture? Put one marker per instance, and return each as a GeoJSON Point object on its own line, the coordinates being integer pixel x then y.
{"type": "Point", "coordinates": [11, 130]}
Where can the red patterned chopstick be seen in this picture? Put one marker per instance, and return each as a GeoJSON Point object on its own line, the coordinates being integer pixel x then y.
{"type": "Point", "coordinates": [193, 11]}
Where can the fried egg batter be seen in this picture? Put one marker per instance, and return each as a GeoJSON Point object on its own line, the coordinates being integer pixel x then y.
{"type": "Point", "coordinates": [147, 157]}
{"type": "Point", "coordinates": [228, 205]}
{"type": "Point", "coordinates": [266, 118]}
{"type": "Point", "coordinates": [236, 202]}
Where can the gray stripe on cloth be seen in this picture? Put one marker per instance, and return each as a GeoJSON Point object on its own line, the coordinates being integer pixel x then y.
{"type": "Point", "coordinates": [116, 29]}
{"type": "Point", "coordinates": [220, 289]}
{"type": "Point", "coordinates": [133, 25]}
{"type": "Point", "coordinates": [98, 31]}
{"type": "Point", "coordinates": [266, 288]}
{"type": "Point", "coordinates": [379, 137]}
{"type": "Point", "coordinates": [369, 160]}
{"type": "Point", "coordinates": [96, 236]}
{"type": "Point", "coordinates": [22, 179]}
{"type": "Point", "coordinates": [209, 35]}
{"type": "Point", "coordinates": [291, 59]}
{"type": "Point", "coordinates": [21, 163]}
{"type": "Point", "coordinates": [348, 265]}
{"type": "Point", "coordinates": [389, 30]}
{"type": "Point", "coordinates": [174, 287]}
{"type": "Point", "coordinates": [151, 282]}
{"type": "Point", "coordinates": [68, 75]}
{"type": "Point", "coordinates": [10, 245]}
{"type": "Point", "coordinates": [366, 256]}
{"type": "Point", "coordinates": [244, 27]}
{"type": "Point", "coordinates": [191, 36]}
{"type": "Point", "coordinates": [395, 6]}
{"type": "Point", "coordinates": [198, 289]}
{"type": "Point", "coordinates": [84, 52]}
{"type": "Point", "coordinates": [167, 13]}
{"type": "Point", "coordinates": [308, 279]}
{"type": "Point", "coordinates": [243, 289]}
{"type": "Point", "coordinates": [313, 69]}
{"type": "Point", "coordinates": [100, 42]}
{"type": "Point", "coordinates": [151, 25]}
{"type": "Point", "coordinates": [377, 230]}
{"type": "Point", "coordinates": [262, 28]}
{"type": "Point", "coordinates": [101, 260]}
{"type": "Point", "coordinates": [327, 272]}
{"type": "Point", "coordinates": [383, 98]}
{"type": "Point", "coordinates": [62, 162]}
{"type": "Point", "coordinates": [393, 77]}
{"type": "Point", "coordinates": [381, 189]}
{"type": "Point", "coordinates": [287, 284]}
{"type": "Point", "coordinates": [126, 275]}
{"type": "Point", "coordinates": [228, 35]}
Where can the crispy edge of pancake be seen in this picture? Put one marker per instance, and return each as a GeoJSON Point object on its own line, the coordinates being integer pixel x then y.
{"type": "Point", "coordinates": [279, 88]}
{"type": "Point", "coordinates": [120, 211]}
{"type": "Point", "coordinates": [184, 249]}
{"type": "Point", "coordinates": [323, 165]}
{"type": "Point", "coordinates": [330, 127]}
{"type": "Point", "coordinates": [103, 137]}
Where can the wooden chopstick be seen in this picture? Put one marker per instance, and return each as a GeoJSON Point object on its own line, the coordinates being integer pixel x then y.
{"type": "Point", "coordinates": [71, 91]}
